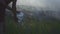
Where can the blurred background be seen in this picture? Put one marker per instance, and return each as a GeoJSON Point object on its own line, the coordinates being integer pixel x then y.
{"type": "Point", "coordinates": [34, 17]}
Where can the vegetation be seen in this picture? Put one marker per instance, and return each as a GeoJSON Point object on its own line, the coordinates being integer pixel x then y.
{"type": "Point", "coordinates": [33, 26]}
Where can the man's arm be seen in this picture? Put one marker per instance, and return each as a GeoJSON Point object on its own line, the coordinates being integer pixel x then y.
{"type": "Point", "coordinates": [14, 9]}
{"type": "Point", "coordinates": [9, 8]}
{"type": "Point", "coordinates": [14, 5]}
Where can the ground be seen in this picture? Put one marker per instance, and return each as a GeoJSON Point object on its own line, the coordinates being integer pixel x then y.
{"type": "Point", "coordinates": [33, 27]}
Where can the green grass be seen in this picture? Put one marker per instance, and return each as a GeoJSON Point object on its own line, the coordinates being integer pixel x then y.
{"type": "Point", "coordinates": [11, 28]}
{"type": "Point", "coordinates": [33, 27]}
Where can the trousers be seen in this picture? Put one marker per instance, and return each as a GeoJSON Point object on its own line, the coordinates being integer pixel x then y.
{"type": "Point", "coordinates": [2, 19]}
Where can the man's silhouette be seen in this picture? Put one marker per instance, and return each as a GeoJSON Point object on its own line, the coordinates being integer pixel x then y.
{"type": "Point", "coordinates": [3, 6]}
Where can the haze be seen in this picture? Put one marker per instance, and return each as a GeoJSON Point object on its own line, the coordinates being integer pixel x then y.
{"type": "Point", "coordinates": [49, 4]}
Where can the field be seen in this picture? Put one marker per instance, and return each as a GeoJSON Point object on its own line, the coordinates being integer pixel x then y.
{"type": "Point", "coordinates": [33, 26]}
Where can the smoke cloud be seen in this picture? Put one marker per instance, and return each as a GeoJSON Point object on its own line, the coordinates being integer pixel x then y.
{"type": "Point", "coordinates": [48, 4]}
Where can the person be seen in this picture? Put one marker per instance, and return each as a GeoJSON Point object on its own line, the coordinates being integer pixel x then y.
{"type": "Point", "coordinates": [20, 16]}
{"type": "Point", "coordinates": [3, 6]}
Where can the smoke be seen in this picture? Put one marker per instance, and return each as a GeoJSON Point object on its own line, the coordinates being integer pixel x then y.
{"type": "Point", "coordinates": [39, 3]}
{"type": "Point", "coordinates": [53, 4]}
{"type": "Point", "coordinates": [47, 4]}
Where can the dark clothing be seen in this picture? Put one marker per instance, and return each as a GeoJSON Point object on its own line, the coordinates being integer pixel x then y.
{"type": "Point", "coordinates": [2, 18]}
{"type": "Point", "coordinates": [2, 13]}
{"type": "Point", "coordinates": [3, 5]}
{"type": "Point", "coordinates": [2, 28]}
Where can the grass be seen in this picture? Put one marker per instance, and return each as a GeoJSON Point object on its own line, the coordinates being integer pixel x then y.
{"type": "Point", "coordinates": [32, 26]}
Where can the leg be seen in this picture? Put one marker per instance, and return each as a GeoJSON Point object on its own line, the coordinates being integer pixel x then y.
{"type": "Point", "coordinates": [2, 20]}
{"type": "Point", "coordinates": [2, 25]}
